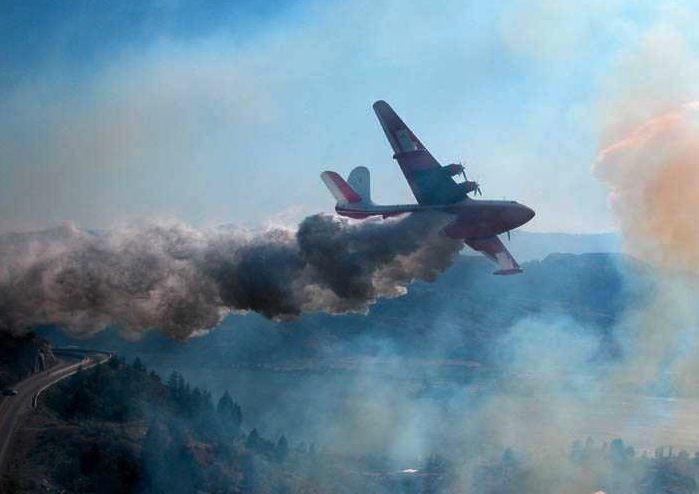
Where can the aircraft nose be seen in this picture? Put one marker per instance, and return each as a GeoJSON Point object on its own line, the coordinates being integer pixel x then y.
{"type": "Point", "coordinates": [520, 215]}
{"type": "Point", "coordinates": [527, 213]}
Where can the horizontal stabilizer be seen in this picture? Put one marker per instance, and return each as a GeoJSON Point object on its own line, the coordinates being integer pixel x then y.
{"type": "Point", "coordinates": [339, 188]}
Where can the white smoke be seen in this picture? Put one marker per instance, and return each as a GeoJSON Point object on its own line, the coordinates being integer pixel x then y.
{"type": "Point", "coordinates": [182, 280]}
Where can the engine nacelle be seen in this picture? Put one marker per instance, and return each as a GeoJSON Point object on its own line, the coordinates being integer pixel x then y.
{"type": "Point", "coordinates": [454, 169]}
{"type": "Point", "coordinates": [470, 186]}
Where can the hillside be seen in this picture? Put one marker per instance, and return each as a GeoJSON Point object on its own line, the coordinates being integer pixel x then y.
{"type": "Point", "coordinates": [21, 356]}
{"type": "Point", "coordinates": [391, 401]}
{"type": "Point", "coordinates": [119, 429]}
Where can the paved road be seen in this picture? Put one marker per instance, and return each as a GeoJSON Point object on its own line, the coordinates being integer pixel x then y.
{"type": "Point", "coordinates": [14, 408]}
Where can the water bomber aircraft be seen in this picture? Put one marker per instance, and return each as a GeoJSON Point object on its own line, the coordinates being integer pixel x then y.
{"type": "Point", "coordinates": [436, 188]}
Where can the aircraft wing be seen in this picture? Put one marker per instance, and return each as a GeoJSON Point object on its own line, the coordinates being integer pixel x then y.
{"type": "Point", "coordinates": [426, 177]}
{"type": "Point", "coordinates": [494, 249]}
{"type": "Point", "coordinates": [402, 139]}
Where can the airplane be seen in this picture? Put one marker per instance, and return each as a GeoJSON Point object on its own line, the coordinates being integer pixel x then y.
{"type": "Point", "coordinates": [477, 222]}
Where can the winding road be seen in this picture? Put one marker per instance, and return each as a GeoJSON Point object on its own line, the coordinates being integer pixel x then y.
{"type": "Point", "coordinates": [14, 408]}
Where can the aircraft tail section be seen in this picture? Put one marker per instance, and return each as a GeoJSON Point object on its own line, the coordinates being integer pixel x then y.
{"type": "Point", "coordinates": [353, 196]}
{"type": "Point", "coordinates": [355, 190]}
{"type": "Point", "coordinates": [360, 180]}
{"type": "Point", "coordinates": [339, 188]}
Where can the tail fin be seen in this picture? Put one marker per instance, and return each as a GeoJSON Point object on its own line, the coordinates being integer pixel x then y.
{"type": "Point", "coordinates": [360, 180]}
{"type": "Point", "coordinates": [357, 188]}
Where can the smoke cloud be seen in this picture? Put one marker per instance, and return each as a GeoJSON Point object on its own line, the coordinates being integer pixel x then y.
{"type": "Point", "coordinates": [182, 280]}
{"type": "Point", "coordinates": [653, 176]}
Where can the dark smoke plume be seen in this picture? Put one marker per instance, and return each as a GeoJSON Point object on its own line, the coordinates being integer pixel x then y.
{"type": "Point", "coordinates": [182, 281]}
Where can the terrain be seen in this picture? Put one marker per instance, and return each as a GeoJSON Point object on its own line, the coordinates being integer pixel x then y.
{"type": "Point", "coordinates": [119, 428]}
{"type": "Point", "coordinates": [451, 386]}
{"type": "Point", "coordinates": [21, 356]}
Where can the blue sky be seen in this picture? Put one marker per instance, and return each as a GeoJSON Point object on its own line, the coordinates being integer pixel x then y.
{"type": "Point", "coordinates": [226, 112]}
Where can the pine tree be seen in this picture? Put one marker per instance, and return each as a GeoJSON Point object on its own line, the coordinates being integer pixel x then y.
{"type": "Point", "coordinates": [173, 380]}
{"type": "Point", "coordinates": [253, 440]}
{"type": "Point", "coordinates": [229, 413]}
{"type": "Point", "coordinates": [282, 450]}
{"type": "Point", "coordinates": [237, 417]}
{"type": "Point", "coordinates": [138, 365]}
{"type": "Point", "coordinates": [225, 405]}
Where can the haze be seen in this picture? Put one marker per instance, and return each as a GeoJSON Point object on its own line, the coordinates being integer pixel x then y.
{"type": "Point", "coordinates": [226, 113]}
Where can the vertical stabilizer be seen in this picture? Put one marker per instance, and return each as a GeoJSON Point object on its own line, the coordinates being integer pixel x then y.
{"type": "Point", "coordinates": [360, 180]}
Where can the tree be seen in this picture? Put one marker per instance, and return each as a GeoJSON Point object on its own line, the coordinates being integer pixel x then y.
{"type": "Point", "coordinates": [225, 405]}
{"type": "Point", "coordinates": [173, 381]}
{"type": "Point", "coordinates": [230, 414]}
{"type": "Point", "coordinates": [282, 450]}
{"type": "Point", "coordinates": [138, 365]}
{"type": "Point", "coordinates": [253, 440]}
{"type": "Point", "coordinates": [237, 416]}
{"type": "Point", "coordinates": [666, 478]}
{"type": "Point", "coordinates": [617, 451]}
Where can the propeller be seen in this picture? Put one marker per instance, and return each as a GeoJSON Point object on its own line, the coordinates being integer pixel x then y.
{"type": "Point", "coordinates": [477, 189]}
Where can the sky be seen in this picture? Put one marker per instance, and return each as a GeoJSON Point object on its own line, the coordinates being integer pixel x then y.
{"type": "Point", "coordinates": [226, 112]}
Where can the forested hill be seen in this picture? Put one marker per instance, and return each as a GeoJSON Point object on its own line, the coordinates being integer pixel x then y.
{"type": "Point", "coordinates": [118, 428]}
{"type": "Point", "coordinates": [23, 355]}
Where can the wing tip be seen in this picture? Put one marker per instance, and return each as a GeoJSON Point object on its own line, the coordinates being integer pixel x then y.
{"type": "Point", "coordinates": [383, 109]}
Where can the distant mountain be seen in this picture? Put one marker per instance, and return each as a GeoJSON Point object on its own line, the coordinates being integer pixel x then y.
{"type": "Point", "coordinates": [529, 246]}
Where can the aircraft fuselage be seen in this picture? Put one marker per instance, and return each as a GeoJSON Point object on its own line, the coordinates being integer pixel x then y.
{"type": "Point", "coordinates": [472, 218]}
